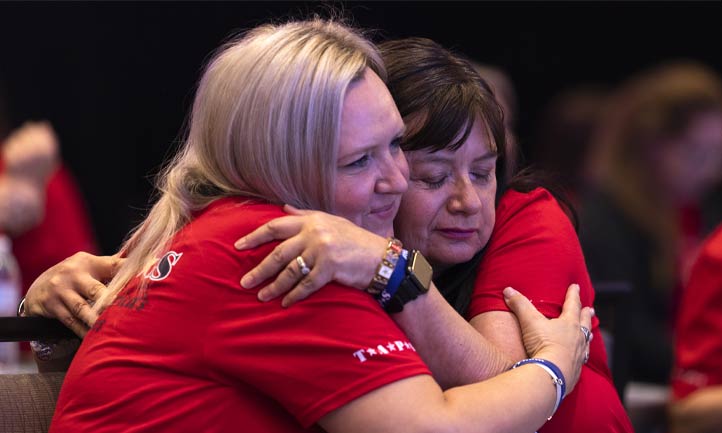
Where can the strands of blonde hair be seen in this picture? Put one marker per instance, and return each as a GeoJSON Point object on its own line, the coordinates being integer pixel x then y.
{"type": "Point", "coordinates": [265, 124]}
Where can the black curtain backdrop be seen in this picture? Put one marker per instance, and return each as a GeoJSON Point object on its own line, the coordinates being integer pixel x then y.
{"type": "Point", "coordinates": [117, 79]}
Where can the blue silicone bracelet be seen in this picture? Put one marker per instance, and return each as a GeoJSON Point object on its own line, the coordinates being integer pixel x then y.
{"type": "Point", "coordinates": [395, 280]}
{"type": "Point", "coordinates": [557, 377]}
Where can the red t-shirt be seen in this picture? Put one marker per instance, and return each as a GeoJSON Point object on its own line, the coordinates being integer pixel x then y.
{"type": "Point", "coordinates": [64, 230]}
{"type": "Point", "coordinates": [698, 336]}
{"type": "Point", "coordinates": [535, 250]}
{"type": "Point", "coordinates": [194, 351]}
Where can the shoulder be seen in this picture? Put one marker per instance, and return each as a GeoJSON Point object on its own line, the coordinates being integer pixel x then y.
{"type": "Point", "coordinates": [206, 242]}
{"type": "Point", "coordinates": [523, 214]}
{"type": "Point", "coordinates": [231, 217]}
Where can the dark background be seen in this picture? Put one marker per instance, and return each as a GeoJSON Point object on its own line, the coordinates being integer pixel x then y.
{"type": "Point", "coordinates": [116, 79]}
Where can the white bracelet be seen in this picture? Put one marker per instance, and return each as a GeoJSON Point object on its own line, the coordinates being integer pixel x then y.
{"type": "Point", "coordinates": [554, 372]}
{"type": "Point", "coordinates": [21, 307]}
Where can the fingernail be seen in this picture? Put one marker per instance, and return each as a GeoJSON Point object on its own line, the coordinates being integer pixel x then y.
{"type": "Point", "coordinates": [594, 313]}
{"type": "Point", "coordinates": [240, 243]}
{"type": "Point", "coordinates": [576, 286]}
{"type": "Point", "coordinates": [262, 296]}
{"type": "Point", "coordinates": [509, 292]}
{"type": "Point", "coordinates": [247, 282]}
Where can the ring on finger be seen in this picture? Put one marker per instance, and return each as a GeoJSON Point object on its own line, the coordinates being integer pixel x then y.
{"type": "Point", "coordinates": [587, 333]}
{"type": "Point", "coordinates": [305, 270]}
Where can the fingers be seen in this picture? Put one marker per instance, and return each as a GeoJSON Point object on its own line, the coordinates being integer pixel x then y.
{"type": "Point", "coordinates": [572, 304]}
{"type": "Point", "coordinates": [585, 320]}
{"type": "Point", "coordinates": [78, 315]}
{"type": "Point", "coordinates": [521, 306]}
{"type": "Point", "coordinates": [67, 290]}
{"type": "Point", "coordinates": [285, 280]}
{"type": "Point", "coordinates": [283, 255]}
{"type": "Point", "coordinates": [307, 286]}
{"type": "Point", "coordinates": [292, 210]}
{"type": "Point", "coordinates": [61, 308]}
{"type": "Point", "coordinates": [279, 228]}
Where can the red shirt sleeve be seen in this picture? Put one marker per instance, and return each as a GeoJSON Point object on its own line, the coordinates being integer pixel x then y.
{"type": "Point", "coordinates": [698, 339]}
{"type": "Point", "coordinates": [533, 249]}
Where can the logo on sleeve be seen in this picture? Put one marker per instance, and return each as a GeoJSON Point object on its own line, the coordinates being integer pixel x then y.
{"type": "Point", "coordinates": [164, 266]}
{"type": "Point", "coordinates": [382, 350]}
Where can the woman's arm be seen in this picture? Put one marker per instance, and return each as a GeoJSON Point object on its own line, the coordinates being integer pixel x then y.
{"type": "Point", "coordinates": [337, 249]}
{"type": "Point", "coordinates": [511, 402]}
{"type": "Point", "coordinates": [700, 412]}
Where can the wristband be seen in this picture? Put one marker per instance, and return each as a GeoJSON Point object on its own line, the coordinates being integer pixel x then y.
{"type": "Point", "coordinates": [386, 267]}
{"type": "Point", "coordinates": [554, 372]}
{"type": "Point", "coordinates": [394, 281]}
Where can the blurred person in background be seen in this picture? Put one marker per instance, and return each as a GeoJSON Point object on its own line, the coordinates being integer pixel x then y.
{"type": "Point", "coordinates": [696, 405]}
{"type": "Point", "coordinates": [42, 210]}
{"type": "Point", "coordinates": [44, 213]}
{"type": "Point", "coordinates": [654, 164]}
{"type": "Point", "coordinates": [563, 134]}
{"type": "Point", "coordinates": [28, 156]}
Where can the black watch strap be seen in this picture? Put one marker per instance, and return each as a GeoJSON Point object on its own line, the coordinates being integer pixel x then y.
{"type": "Point", "coordinates": [416, 282]}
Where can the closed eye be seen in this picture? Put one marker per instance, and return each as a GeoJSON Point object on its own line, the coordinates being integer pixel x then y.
{"type": "Point", "coordinates": [359, 163]}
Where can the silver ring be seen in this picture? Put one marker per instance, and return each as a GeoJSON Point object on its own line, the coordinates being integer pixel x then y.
{"type": "Point", "coordinates": [586, 356]}
{"type": "Point", "coordinates": [305, 270]}
{"type": "Point", "coordinates": [587, 333]}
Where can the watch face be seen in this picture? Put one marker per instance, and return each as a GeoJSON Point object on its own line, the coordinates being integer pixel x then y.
{"type": "Point", "coordinates": [420, 270]}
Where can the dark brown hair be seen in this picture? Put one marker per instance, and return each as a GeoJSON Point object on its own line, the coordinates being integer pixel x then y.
{"type": "Point", "coordinates": [444, 90]}
{"type": "Point", "coordinates": [446, 95]}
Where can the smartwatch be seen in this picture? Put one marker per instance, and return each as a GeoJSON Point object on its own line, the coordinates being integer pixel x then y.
{"type": "Point", "coordinates": [415, 282]}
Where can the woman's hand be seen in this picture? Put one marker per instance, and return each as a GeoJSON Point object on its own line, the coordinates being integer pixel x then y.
{"type": "Point", "coordinates": [67, 290]}
{"type": "Point", "coordinates": [560, 340]}
{"type": "Point", "coordinates": [333, 249]}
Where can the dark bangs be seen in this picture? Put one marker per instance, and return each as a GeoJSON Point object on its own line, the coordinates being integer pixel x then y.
{"type": "Point", "coordinates": [444, 91]}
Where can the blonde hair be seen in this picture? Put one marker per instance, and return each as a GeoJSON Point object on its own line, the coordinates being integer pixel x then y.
{"type": "Point", "coordinates": [265, 124]}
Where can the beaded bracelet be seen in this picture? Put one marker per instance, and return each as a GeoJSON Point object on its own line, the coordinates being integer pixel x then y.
{"type": "Point", "coordinates": [386, 267]}
{"type": "Point", "coordinates": [554, 372]}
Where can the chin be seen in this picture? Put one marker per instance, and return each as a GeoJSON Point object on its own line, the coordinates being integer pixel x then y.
{"type": "Point", "coordinates": [452, 258]}
{"type": "Point", "coordinates": [383, 231]}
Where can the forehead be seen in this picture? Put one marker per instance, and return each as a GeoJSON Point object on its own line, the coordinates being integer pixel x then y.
{"type": "Point", "coordinates": [423, 129]}
{"type": "Point", "coordinates": [369, 114]}
{"type": "Point", "coordinates": [477, 144]}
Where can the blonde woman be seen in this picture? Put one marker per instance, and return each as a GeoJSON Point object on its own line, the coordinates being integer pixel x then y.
{"type": "Point", "coordinates": [296, 113]}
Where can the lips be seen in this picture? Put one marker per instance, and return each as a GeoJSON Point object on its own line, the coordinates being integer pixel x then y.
{"type": "Point", "coordinates": [387, 211]}
{"type": "Point", "coordinates": [457, 233]}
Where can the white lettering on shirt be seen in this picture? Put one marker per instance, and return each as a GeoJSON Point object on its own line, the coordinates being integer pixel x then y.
{"type": "Point", "coordinates": [365, 354]}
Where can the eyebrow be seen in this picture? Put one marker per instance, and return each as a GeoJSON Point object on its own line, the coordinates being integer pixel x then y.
{"type": "Point", "coordinates": [440, 158]}
{"type": "Point", "coordinates": [399, 135]}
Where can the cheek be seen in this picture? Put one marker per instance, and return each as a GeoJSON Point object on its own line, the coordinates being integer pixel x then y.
{"type": "Point", "coordinates": [350, 200]}
{"type": "Point", "coordinates": [414, 217]}
{"type": "Point", "coordinates": [488, 224]}
{"type": "Point", "coordinates": [487, 196]}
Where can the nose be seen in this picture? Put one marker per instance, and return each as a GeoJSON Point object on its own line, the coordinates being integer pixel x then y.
{"type": "Point", "coordinates": [464, 198]}
{"type": "Point", "coordinates": [393, 175]}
